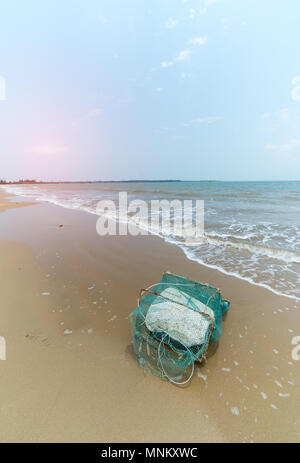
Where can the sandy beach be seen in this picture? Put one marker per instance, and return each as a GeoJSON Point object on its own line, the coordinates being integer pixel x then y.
{"type": "Point", "coordinates": [71, 373]}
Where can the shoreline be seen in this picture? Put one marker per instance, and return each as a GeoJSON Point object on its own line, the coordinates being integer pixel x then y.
{"type": "Point", "coordinates": [6, 201]}
{"type": "Point", "coordinates": [86, 385]}
{"type": "Point", "coordinates": [168, 241]}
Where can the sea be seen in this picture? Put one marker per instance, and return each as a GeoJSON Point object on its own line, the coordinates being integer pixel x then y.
{"type": "Point", "coordinates": [251, 229]}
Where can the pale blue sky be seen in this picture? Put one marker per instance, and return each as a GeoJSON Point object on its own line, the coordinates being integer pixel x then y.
{"type": "Point", "coordinates": [123, 89]}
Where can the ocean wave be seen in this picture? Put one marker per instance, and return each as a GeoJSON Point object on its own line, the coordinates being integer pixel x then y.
{"type": "Point", "coordinates": [235, 195]}
{"type": "Point", "coordinates": [291, 198]}
{"type": "Point", "coordinates": [192, 256]}
{"type": "Point", "coordinates": [274, 253]}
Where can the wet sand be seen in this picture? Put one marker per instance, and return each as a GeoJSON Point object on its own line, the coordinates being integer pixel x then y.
{"type": "Point", "coordinates": [71, 373]}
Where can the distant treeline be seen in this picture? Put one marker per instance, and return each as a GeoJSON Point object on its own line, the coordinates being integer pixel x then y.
{"type": "Point", "coordinates": [4, 182]}
{"type": "Point", "coordinates": [21, 181]}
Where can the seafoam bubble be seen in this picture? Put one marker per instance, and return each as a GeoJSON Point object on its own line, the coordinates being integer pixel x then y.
{"type": "Point", "coordinates": [235, 411]}
{"type": "Point", "coordinates": [278, 384]}
{"type": "Point", "coordinates": [68, 331]}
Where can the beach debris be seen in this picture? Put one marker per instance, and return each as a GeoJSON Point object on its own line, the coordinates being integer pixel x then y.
{"type": "Point", "coordinates": [68, 332]}
{"type": "Point", "coordinates": [278, 383]}
{"type": "Point", "coordinates": [45, 293]}
{"type": "Point", "coordinates": [187, 326]}
{"type": "Point", "coordinates": [235, 411]}
{"type": "Point", "coordinates": [173, 324]}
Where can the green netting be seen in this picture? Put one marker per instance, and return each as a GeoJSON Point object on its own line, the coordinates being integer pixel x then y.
{"type": "Point", "coordinates": [173, 325]}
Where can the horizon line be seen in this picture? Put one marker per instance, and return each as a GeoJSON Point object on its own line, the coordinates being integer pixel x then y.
{"type": "Point", "coordinates": [32, 181]}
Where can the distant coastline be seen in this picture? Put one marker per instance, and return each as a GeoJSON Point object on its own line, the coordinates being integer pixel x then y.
{"type": "Point", "coordinates": [37, 182]}
{"type": "Point", "coordinates": [67, 182]}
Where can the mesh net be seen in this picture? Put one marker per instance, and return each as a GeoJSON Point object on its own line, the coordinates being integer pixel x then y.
{"type": "Point", "coordinates": [173, 324]}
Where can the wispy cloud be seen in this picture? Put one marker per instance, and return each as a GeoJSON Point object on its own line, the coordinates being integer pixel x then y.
{"type": "Point", "coordinates": [171, 23]}
{"type": "Point", "coordinates": [198, 40]}
{"type": "Point", "coordinates": [224, 22]}
{"type": "Point", "coordinates": [183, 55]}
{"type": "Point", "coordinates": [295, 93]}
{"type": "Point", "coordinates": [292, 145]}
{"type": "Point", "coordinates": [203, 120]}
{"type": "Point", "coordinates": [205, 5]}
{"type": "Point", "coordinates": [192, 13]}
{"type": "Point", "coordinates": [200, 9]}
{"type": "Point", "coordinates": [185, 75]}
{"type": "Point", "coordinates": [159, 89]}
{"type": "Point", "coordinates": [166, 64]}
{"type": "Point", "coordinates": [265, 116]}
{"type": "Point", "coordinates": [283, 115]}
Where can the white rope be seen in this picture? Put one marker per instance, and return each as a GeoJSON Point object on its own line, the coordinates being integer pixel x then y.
{"type": "Point", "coordinates": [164, 371]}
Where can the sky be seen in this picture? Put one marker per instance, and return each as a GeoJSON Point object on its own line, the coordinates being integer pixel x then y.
{"type": "Point", "coordinates": [157, 89]}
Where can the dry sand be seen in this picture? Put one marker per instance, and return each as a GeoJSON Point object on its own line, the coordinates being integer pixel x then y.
{"type": "Point", "coordinates": [71, 373]}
